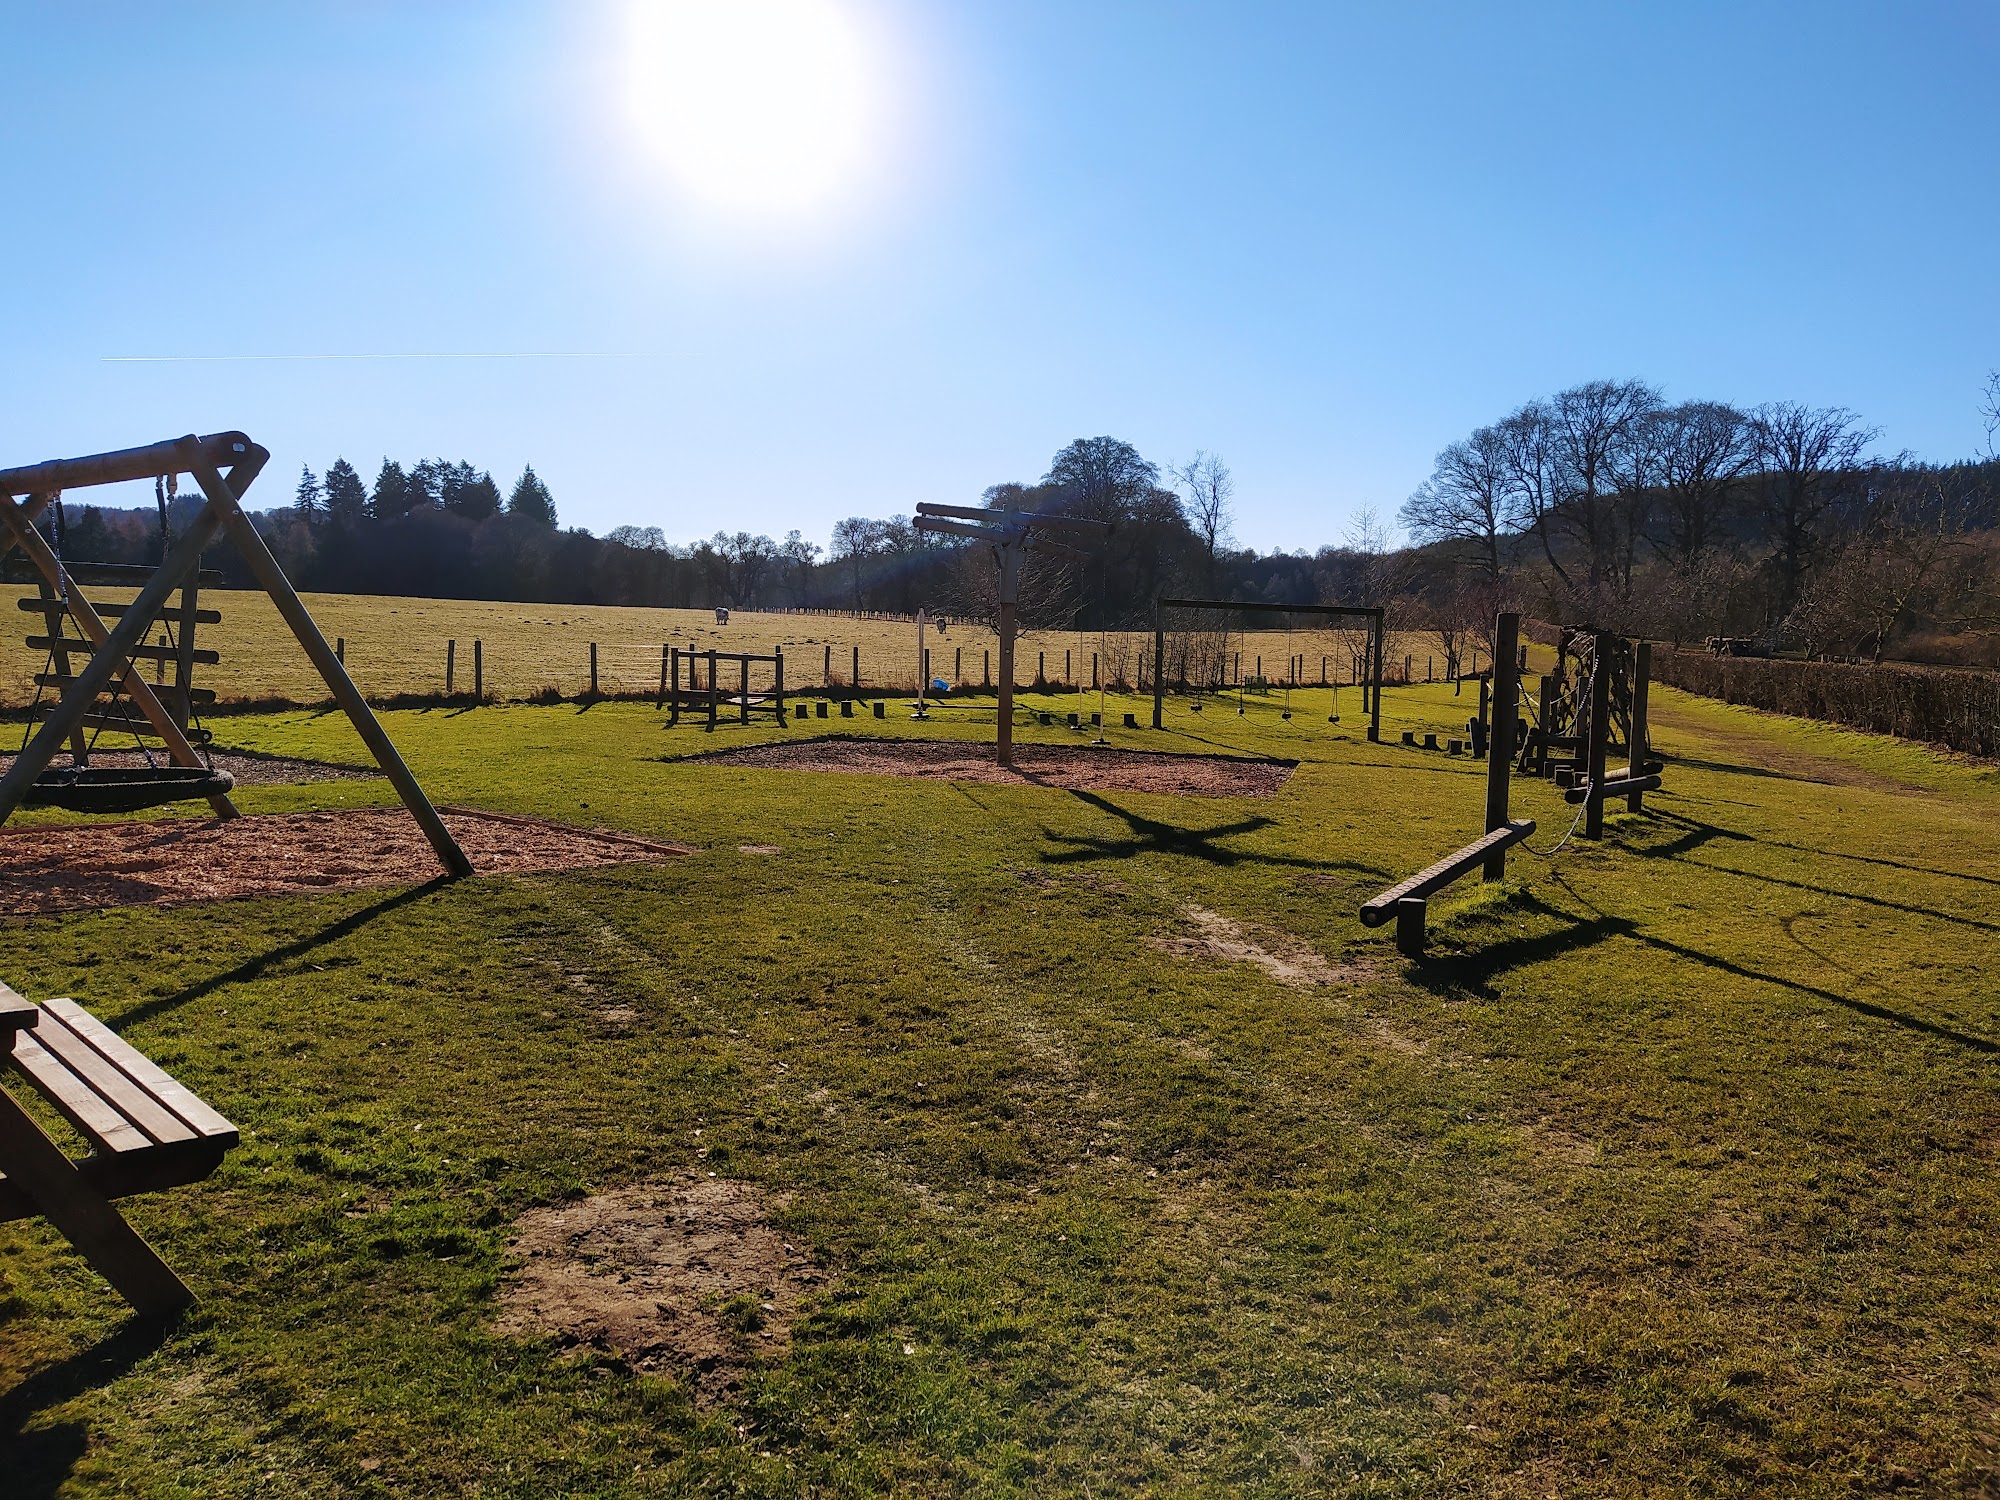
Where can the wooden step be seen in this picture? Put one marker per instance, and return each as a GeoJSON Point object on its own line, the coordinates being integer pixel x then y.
{"type": "Point", "coordinates": [139, 653]}
{"type": "Point", "coordinates": [164, 691]}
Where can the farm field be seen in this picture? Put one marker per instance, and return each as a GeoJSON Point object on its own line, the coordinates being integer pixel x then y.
{"type": "Point", "coordinates": [397, 646]}
{"type": "Point", "coordinates": [1127, 1161]}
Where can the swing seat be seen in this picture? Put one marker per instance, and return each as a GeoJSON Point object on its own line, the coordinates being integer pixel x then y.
{"type": "Point", "coordinates": [86, 789]}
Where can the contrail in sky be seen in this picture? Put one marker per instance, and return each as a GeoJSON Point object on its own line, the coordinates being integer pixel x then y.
{"type": "Point", "coordinates": [187, 359]}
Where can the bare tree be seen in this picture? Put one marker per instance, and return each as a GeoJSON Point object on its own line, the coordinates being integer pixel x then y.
{"type": "Point", "coordinates": [1601, 472]}
{"type": "Point", "coordinates": [1205, 487]}
{"type": "Point", "coordinates": [1989, 412]}
{"type": "Point", "coordinates": [1469, 499]}
{"type": "Point", "coordinates": [798, 556]}
{"type": "Point", "coordinates": [1699, 450]}
{"type": "Point", "coordinates": [1802, 454]}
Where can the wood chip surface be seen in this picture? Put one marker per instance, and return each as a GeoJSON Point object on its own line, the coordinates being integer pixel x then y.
{"type": "Point", "coordinates": [1061, 766]}
{"type": "Point", "coordinates": [169, 861]}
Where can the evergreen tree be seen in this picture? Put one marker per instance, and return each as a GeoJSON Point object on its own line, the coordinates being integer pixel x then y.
{"type": "Point", "coordinates": [466, 491]}
{"type": "Point", "coordinates": [309, 497]}
{"type": "Point", "coordinates": [392, 492]}
{"type": "Point", "coordinates": [346, 496]}
{"type": "Point", "coordinates": [531, 500]}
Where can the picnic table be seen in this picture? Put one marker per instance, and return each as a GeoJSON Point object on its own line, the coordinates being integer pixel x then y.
{"type": "Point", "coordinates": [146, 1131]}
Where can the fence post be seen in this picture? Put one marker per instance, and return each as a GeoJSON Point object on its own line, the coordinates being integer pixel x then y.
{"type": "Point", "coordinates": [1067, 679]}
{"type": "Point", "coordinates": [986, 671]}
{"type": "Point", "coordinates": [593, 669]}
{"type": "Point", "coordinates": [1041, 669]}
{"type": "Point", "coordinates": [340, 649]}
{"type": "Point", "coordinates": [478, 671]}
{"type": "Point", "coordinates": [1159, 667]}
{"type": "Point", "coordinates": [826, 668]}
{"type": "Point", "coordinates": [713, 696]}
{"type": "Point", "coordinates": [670, 682]}
{"type": "Point", "coordinates": [450, 664]}
{"type": "Point", "coordinates": [958, 666]}
{"type": "Point", "coordinates": [665, 662]}
{"type": "Point", "coordinates": [854, 677]}
{"type": "Point", "coordinates": [781, 685]}
{"type": "Point", "coordinates": [1093, 669]}
{"type": "Point", "coordinates": [743, 701]}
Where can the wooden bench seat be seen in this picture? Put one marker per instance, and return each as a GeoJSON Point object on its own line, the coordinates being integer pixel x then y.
{"type": "Point", "coordinates": [146, 1131]}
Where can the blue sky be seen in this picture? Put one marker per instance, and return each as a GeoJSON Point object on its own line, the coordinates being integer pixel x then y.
{"type": "Point", "coordinates": [1321, 240]}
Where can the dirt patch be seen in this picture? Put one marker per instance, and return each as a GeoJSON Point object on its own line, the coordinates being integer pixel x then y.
{"type": "Point", "coordinates": [1285, 959]}
{"type": "Point", "coordinates": [1079, 768]}
{"type": "Point", "coordinates": [685, 1277]}
{"type": "Point", "coordinates": [169, 861]}
{"type": "Point", "coordinates": [249, 770]}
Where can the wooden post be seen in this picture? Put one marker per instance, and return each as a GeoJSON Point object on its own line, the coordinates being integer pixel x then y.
{"type": "Point", "coordinates": [780, 670]}
{"type": "Point", "coordinates": [713, 697]}
{"type": "Point", "coordinates": [743, 701]}
{"type": "Point", "coordinates": [1642, 670]}
{"type": "Point", "coordinates": [1410, 913]}
{"type": "Point", "coordinates": [1067, 679]}
{"type": "Point", "coordinates": [593, 669]}
{"type": "Point", "coordinates": [986, 669]}
{"type": "Point", "coordinates": [1600, 716]}
{"type": "Point", "coordinates": [1041, 669]}
{"type": "Point", "coordinates": [670, 683]}
{"type": "Point", "coordinates": [340, 649]}
{"type": "Point", "coordinates": [958, 666]}
{"type": "Point", "coordinates": [666, 661]}
{"type": "Point", "coordinates": [1500, 738]}
{"type": "Point", "coordinates": [1375, 693]}
{"type": "Point", "coordinates": [826, 666]}
{"type": "Point", "coordinates": [1159, 668]}
{"type": "Point", "coordinates": [854, 676]}
{"type": "Point", "coordinates": [450, 665]}
{"type": "Point", "coordinates": [264, 568]}
{"type": "Point", "coordinates": [478, 671]}
{"type": "Point", "coordinates": [1093, 669]}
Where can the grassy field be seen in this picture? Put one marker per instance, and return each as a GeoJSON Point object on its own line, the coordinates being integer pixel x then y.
{"type": "Point", "coordinates": [1672, 1173]}
{"type": "Point", "coordinates": [397, 646]}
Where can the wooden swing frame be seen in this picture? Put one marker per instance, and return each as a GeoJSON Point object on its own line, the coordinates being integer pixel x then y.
{"type": "Point", "coordinates": [224, 465]}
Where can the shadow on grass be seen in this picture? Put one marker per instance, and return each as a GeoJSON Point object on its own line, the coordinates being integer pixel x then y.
{"type": "Point", "coordinates": [1862, 1007]}
{"type": "Point", "coordinates": [1822, 889]}
{"type": "Point", "coordinates": [1457, 976]}
{"type": "Point", "coordinates": [1695, 835]}
{"type": "Point", "coordinates": [255, 968]}
{"type": "Point", "coordinates": [1152, 836]}
{"type": "Point", "coordinates": [40, 1463]}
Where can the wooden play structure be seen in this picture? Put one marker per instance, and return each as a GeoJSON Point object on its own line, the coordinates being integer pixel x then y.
{"type": "Point", "coordinates": [224, 465]}
{"type": "Point", "coordinates": [703, 691]}
{"type": "Point", "coordinates": [146, 1133]}
{"type": "Point", "coordinates": [1011, 534]}
{"type": "Point", "coordinates": [1371, 682]}
{"type": "Point", "coordinates": [1598, 678]}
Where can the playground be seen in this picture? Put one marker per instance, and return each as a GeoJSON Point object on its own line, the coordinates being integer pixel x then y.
{"type": "Point", "coordinates": [1015, 1097]}
{"type": "Point", "coordinates": [1668, 1171]}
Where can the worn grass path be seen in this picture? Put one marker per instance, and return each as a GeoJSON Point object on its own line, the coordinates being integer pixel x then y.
{"type": "Point", "coordinates": [1672, 1173]}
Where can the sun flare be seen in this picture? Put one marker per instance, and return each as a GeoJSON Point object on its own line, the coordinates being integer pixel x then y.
{"type": "Point", "coordinates": [760, 105]}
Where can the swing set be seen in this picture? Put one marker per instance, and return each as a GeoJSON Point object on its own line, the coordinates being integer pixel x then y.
{"type": "Point", "coordinates": [110, 691]}
{"type": "Point", "coordinates": [1371, 685]}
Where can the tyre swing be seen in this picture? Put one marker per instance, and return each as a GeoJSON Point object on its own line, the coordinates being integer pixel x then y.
{"type": "Point", "coordinates": [81, 787]}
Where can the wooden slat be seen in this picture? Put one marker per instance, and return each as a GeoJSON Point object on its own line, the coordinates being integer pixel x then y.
{"type": "Point", "coordinates": [100, 575]}
{"type": "Point", "coordinates": [75, 1100]}
{"type": "Point", "coordinates": [144, 1072]}
{"type": "Point", "coordinates": [139, 653]}
{"type": "Point", "coordinates": [118, 723]}
{"type": "Point", "coordinates": [1381, 908]}
{"type": "Point", "coordinates": [110, 1082]}
{"type": "Point", "coordinates": [17, 1013]}
{"type": "Point", "coordinates": [108, 611]}
{"type": "Point", "coordinates": [166, 690]}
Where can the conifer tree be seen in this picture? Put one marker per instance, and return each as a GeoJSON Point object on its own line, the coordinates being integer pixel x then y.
{"type": "Point", "coordinates": [531, 500]}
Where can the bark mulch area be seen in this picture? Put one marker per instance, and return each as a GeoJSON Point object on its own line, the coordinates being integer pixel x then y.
{"type": "Point", "coordinates": [1082, 768]}
{"type": "Point", "coordinates": [166, 862]}
{"type": "Point", "coordinates": [249, 770]}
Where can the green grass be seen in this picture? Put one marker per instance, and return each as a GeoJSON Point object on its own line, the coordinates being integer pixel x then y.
{"type": "Point", "coordinates": [1671, 1173]}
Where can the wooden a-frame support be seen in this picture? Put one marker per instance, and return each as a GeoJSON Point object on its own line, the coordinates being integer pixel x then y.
{"type": "Point", "coordinates": [204, 458]}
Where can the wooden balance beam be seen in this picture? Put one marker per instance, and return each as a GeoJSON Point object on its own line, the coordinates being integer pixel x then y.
{"type": "Point", "coordinates": [1408, 901]}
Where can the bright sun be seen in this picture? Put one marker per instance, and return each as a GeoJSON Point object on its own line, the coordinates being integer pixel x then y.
{"type": "Point", "coordinates": [761, 105]}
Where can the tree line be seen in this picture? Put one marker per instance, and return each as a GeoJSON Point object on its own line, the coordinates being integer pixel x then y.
{"type": "Point", "coordinates": [1603, 504]}
{"type": "Point", "coordinates": [1607, 504]}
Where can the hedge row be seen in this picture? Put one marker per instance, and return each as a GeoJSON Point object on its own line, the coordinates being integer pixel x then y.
{"type": "Point", "coordinates": [1957, 709]}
